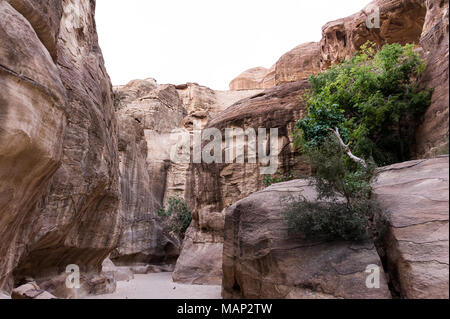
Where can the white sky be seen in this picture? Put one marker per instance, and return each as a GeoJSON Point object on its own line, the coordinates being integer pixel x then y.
{"type": "Point", "coordinates": [207, 41]}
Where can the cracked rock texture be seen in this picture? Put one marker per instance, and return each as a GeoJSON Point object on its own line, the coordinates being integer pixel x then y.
{"type": "Point", "coordinates": [415, 197]}
{"type": "Point", "coordinates": [59, 172]}
{"type": "Point", "coordinates": [432, 135]}
{"type": "Point", "coordinates": [147, 113]}
{"type": "Point", "coordinates": [261, 259]}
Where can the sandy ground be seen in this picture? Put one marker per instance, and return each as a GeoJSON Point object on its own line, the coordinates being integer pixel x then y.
{"type": "Point", "coordinates": [160, 286]}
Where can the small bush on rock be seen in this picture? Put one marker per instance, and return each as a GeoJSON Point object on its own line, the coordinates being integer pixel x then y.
{"type": "Point", "coordinates": [177, 215]}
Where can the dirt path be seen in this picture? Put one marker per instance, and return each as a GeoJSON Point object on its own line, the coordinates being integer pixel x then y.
{"type": "Point", "coordinates": [160, 286]}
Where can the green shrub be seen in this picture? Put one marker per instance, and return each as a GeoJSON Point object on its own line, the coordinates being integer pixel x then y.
{"type": "Point", "coordinates": [343, 209]}
{"type": "Point", "coordinates": [177, 215]}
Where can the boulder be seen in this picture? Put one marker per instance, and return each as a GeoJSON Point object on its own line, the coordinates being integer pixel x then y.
{"type": "Point", "coordinates": [298, 64]}
{"type": "Point", "coordinates": [31, 291]}
{"type": "Point", "coordinates": [415, 197]}
{"type": "Point", "coordinates": [251, 79]}
{"type": "Point", "coordinates": [118, 273]}
{"type": "Point", "coordinates": [200, 261]}
{"type": "Point", "coordinates": [262, 260]}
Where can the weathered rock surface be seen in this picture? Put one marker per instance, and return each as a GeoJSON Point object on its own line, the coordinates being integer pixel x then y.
{"type": "Point", "coordinates": [58, 155]}
{"type": "Point", "coordinates": [261, 259]}
{"type": "Point", "coordinates": [415, 196]}
{"type": "Point", "coordinates": [44, 17]}
{"type": "Point", "coordinates": [200, 261]}
{"type": "Point", "coordinates": [32, 122]}
{"type": "Point", "coordinates": [31, 291]}
{"type": "Point", "coordinates": [221, 184]}
{"type": "Point", "coordinates": [401, 21]}
{"type": "Point", "coordinates": [432, 135]}
{"type": "Point", "coordinates": [251, 79]}
{"type": "Point", "coordinates": [118, 273]}
{"type": "Point", "coordinates": [147, 114]}
{"type": "Point", "coordinates": [299, 63]}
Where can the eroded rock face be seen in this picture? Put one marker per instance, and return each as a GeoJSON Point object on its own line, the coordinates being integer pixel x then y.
{"type": "Point", "coordinates": [432, 135]}
{"type": "Point", "coordinates": [261, 259]}
{"type": "Point", "coordinates": [32, 121]}
{"type": "Point", "coordinates": [212, 187]}
{"type": "Point", "coordinates": [401, 21]}
{"type": "Point", "coordinates": [299, 63]}
{"type": "Point", "coordinates": [255, 78]}
{"type": "Point", "coordinates": [200, 261]}
{"type": "Point", "coordinates": [147, 114]}
{"type": "Point", "coordinates": [222, 184]}
{"type": "Point", "coordinates": [415, 197]}
{"type": "Point", "coordinates": [58, 108]}
{"type": "Point", "coordinates": [44, 17]}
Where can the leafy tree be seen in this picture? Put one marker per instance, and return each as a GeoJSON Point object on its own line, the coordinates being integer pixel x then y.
{"type": "Point", "coordinates": [373, 100]}
{"type": "Point", "coordinates": [361, 113]}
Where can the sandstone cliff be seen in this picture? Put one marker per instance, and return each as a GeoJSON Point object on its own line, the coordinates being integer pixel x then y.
{"type": "Point", "coordinates": [432, 135]}
{"type": "Point", "coordinates": [58, 152]}
{"type": "Point", "coordinates": [147, 114]}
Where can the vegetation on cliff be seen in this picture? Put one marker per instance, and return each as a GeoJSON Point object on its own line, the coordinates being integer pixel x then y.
{"type": "Point", "coordinates": [361, 113]}
{"type": "Point", "coordinates": [176, 215]}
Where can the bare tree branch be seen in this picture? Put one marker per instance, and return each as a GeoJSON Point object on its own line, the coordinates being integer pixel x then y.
{"type": "Point", "coordinates": [347, 149]}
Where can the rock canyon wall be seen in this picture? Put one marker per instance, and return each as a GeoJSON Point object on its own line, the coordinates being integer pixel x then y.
{"type": "Point", "coordinates": [59, 163]}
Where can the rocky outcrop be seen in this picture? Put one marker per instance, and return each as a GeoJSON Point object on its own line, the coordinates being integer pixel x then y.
{"type": "Point", "coordinates": [432, 135]}
{"type": "Point", "coordinates": [201, 259]}
{"type": "Point", "coordinates": [58, 155]}
{"type": "Point", "coordinates": [401, 21]}
{"type": "Point", "coordinates": [255, 78]}
{"type": "Point", "coordinates": [262, 260]}
{"type": "Point", "coordinates": [147, 114]}
{"type": "Point", "coordinates": [222, 184]}
{"type": "Point", "coordinates": [31, 291]}
{"type": "Point", "coordinates": [299, 63]}
{"type": "Point", "coordinates": [415, 197]}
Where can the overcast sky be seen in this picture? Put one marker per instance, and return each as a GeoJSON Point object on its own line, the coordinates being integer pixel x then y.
{"type": "Point", "coordinates": [207, 41]}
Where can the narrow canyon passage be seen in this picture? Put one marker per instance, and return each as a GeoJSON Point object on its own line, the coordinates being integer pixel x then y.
{"type": "Point", "coordinates": [93, 177]}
